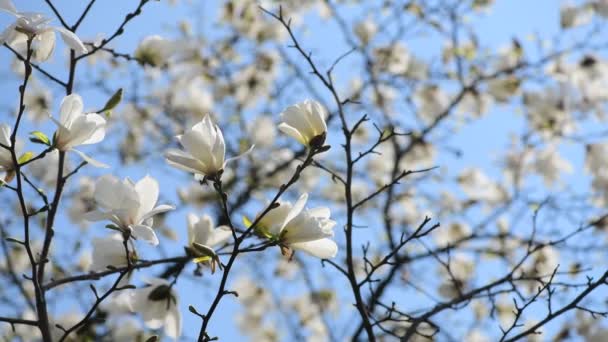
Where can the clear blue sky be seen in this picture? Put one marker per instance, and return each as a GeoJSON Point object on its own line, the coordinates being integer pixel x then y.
{"type": "Point", "coordinates": [507, 19]}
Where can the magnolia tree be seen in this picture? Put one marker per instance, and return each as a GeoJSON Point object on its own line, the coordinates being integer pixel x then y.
{"type": "Point", "coordinates": [303, 170]}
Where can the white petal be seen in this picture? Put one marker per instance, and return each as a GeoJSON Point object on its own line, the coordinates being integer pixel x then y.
{"type": "Point", "coordinates": [153, 313]}
{"type": "Point", "coordinates": [99, 132]}
{"type": "Point", "coordinates": [198, 142]}
{"type": "Point", "coordinates": [317, 117]}
{"type": "Point", "coordinates": [9, 34]}
{"type": "Point", "coordinates": [158, 210]}
{"type": "Point", "coordinates": [296, 209]}
{"type": "Point", "coordinates": [90, 160]}
{"type": "Point", "coordinates": [202, 230]}
{"type": "Point", "coordinates": [320, 212]}
{"type": "Point", "coordinates": [7, 5]}
{"type": "Point", "coordinates": [145, 233]}
{"type": "Point", "coordinates": [219, 150]}
{"type": "Point", "coordinates": [220, 235]}
{"type": "Point", "coordinates": [173, 322]}
{"type": "Point", "coordinates": [297, 117]}
{"type": "Point", "coordinates": [106, 191]}
{"type": "Point", "coordinates": [324, 248]}
{"type": "Point", "coordinates": [294, 133]}
{"type": "Point", "coordinates": [155, 281]}
{"type": "Point", "coordinates": [229, 160]}
{"type": "Point", "coordinates": [71, 108]}
{"type": "Point", "coordinates": [72, 40]}
{"type": "Point", "coordinates": [183, 161]}
{"type": "Point", "coordinates": [45, 44]}
{"type": "Point", "coordinates": [97, 215]}
{"type": "Point", "coordinates": [147, 190]}
{"type": "Point", "coordinates": [5, 134]}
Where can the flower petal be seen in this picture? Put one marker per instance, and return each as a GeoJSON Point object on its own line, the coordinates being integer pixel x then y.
{"type": "Point", "coordinates": [97, 215]}
{"type": "Point", "coordinates": [147, 190]}
{"type": "Point", "coordinates": [323, 248]}
{"type": "Point", "coordinates": [158, 210]}
{"type": "Point", "coordinates": [145, 233]}
{"type": "Point", "coordinates": [296, 209]}
{"type": "Point", "coordinates": [72, 40]}
{"type": "Point", "coordinates": [220, 235]}
{"type": "Point", "coordinates": [317, 116]}
{"type": "Point", "coordinates": [45, 45]}
{"type": "Point", "coordinates": [7, 6]}
{"type": "Point", "coordinates": [229, 160]}
{"type": "Point", "coordinates": [71, 108]}
{"type": "Point", "coordinates": [99, 132]}
{"type": "Point", "coordinates": [183, 161]}
{"type": "Point", "coordinates": [292, 132]}
{"type": "Point", "coordinates": [90, 160]}
{"type": "Point", "coordinates": [173, 321]}
{"type": "Point", "coordinates": [9, 34]}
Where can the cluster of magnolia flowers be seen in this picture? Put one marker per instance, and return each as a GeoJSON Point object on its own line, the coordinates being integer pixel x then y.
{"type": "Point", "coordinates": [34, 27]}
{"type": "Point", "coordinates": [129, 207]}
{"type": "Point", "coordinates": [290, 226]}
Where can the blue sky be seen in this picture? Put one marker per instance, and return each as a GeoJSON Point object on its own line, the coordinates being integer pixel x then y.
{"type": "Point", "coordinates": [508, 19]}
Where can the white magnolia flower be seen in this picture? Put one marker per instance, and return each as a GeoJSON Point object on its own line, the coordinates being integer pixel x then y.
{"type": "Point", "coordinates": [595, 157]}
{"type": "Point", "coordinates": [202, 231]}
{"type": "Point", "coordinates": [601, 7]}
{"type": "Point", "coordinates": [478, 187]}
{"type": "Point", "coordinates": [154, 50]}
{"type": "Point", "coordinates": [294, 227]}
{"type": "Point", "coordinates": [305, 122]}
{"type": "Point", "coordinates": [36, 26]}
{"type": "Point", "coordinates": [82, 202]}
{"type": "Point", "coordinates": [77, 128]}
{"type": "Point", "coordinates": [502, 89]}
{"type": "Point", "coordinates": [159, 306]}
{"type": "Point", "coordinates": [6, 159]}
{"type": "Point", "coordinates": [366, 30]}
{"type": "Point", "coordinates": [550, 165]}
{"type": "Point", "coordinates": [431, 101]}
{"type": "Point", "coordinates": [453, 234]}
{"type": "Point", "coordinates": [110, 251]}
{"type": "Point", "coordinates": [572, 16]}
{"type": "Point", "coordinates": [130, 206]}
{"type": "Point", "coordinates": [394, 58]}
{"type": "Point", "coordinates": [205, 150]}
{"type": "Point", "coordinates": [262, 131]}
{"type": "Point", "coordinates": [126, 329]}
{"type": "Point", "coordinates": [38, 101]}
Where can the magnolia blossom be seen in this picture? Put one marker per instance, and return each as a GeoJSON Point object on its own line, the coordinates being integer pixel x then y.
{"type": "Point", "coordinates": [38, 101]}
{"type": "Point", "coordinates": [35, 26]}
{"type": "Point", "coordinates": [76, 128]}
{"type": "Point", "coordinates": [159, 306]}
{"type": "Point", "coordinates": [126, 329]}
{"type": "Point", "coordinates": [431, 101]}
{"type": "Point", "coordinates": [297, 228]}
{"type": "Point", "coordinates": [550, 165]}
{"type": "Point", "coordinates": [478, 187]}
{"type": "Point", "coordinates": [130, 206]}
{"type": "Point", "coordinates": [572, 16]}
{"type": "Point", "coordinates": [262, 131]}
{"type": "Point", "coordinates": [110, 251]}
{"type": "Point", "coordinates": [305, 122]}
{"type": "Point", "coordinates": [201, 230]}
{"type": "Point", "coordinates": [205, 150]}
{"type": "Point", "coordinates": [394, 58]}
{"type": "Point", "coordinates": [154, 50]}
{"type": "Point", "coordinates": [366, 30]}
{"type": "Point", "coordinates": [6, 159]}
